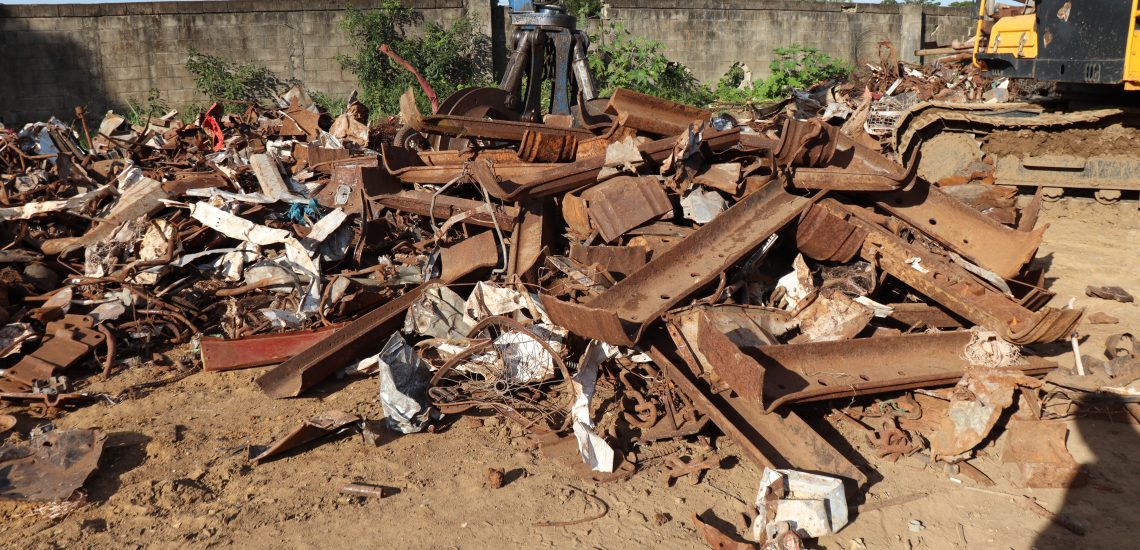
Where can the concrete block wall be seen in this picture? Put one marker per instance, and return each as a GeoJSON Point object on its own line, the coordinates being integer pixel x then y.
{"type": "Point", "coordinates": [55, 57]}
{"type": "Point", "coordinates": [709, 35]}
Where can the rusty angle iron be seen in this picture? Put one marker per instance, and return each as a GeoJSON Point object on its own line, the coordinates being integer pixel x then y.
{"type": "Point", "coordinates": [620, 314]}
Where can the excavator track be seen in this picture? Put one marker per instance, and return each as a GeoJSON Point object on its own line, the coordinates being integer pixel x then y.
{"type": "Point", "coordinates": [1023, 145]}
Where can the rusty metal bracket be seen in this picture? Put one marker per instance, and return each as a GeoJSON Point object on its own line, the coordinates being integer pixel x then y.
{"type": "Point", "coordinates": [620, 314]}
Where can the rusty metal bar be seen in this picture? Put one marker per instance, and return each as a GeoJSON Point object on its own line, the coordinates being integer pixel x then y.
{"type": "Point", "coordinates": [353, 342]}
{"type": "Point", "coordinates": [471, 127]}
{"type": "Point", "coordinates": [620, 314]}
{"type": "Point", "coordinates": [772, 440]}
{"type": "Point", "coordinates": [420, 202]}
{"type": "Point", "coordinates": [653, 115]}
{"type": "Point", "coordinates": [219, 354]}
{"type": "Point", "coordinates": [974, 235]}
{"type": "Point", "coordinates": [949, 284]}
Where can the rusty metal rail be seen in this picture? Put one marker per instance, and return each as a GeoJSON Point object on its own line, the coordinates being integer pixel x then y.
{"type": "Point", "coordinates": [620, 314]}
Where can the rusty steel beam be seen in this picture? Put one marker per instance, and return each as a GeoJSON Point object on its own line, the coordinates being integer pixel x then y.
{"type": "Point", "coordinates": [472, 127]}
{"type": "Point", "coordinates": [768, 440]}
{"type": "Point", "coordinates": [947, 283]}
{"type": "Point", "coordinates": [963, 229]}
{"type": "Point", "coordinates": [919, 314]}
{"type": "Point", "coordinates": [219, 354]}
{"type": "Point", "coordinates": [653, 115]}
{"type": "Point", "coordinates": [356, 340]}
{"type": "Point", "coordinates": [420, 202]}
{"type": "Point", "coordinates": [620, 314]}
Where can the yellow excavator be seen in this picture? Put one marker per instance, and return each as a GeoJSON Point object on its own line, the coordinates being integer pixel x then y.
{"type": "Point", "coordinates": [1081, 138]}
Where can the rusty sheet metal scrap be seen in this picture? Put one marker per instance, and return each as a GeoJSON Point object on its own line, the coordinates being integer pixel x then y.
{"type": "Point", "coordinates": [653, 115]}
{"type": "Point", "coordinates": [620, 314]}
{"type": "Point", "coordinates": [947, 283]}
{"type": "Point", "coordinates": [52, 466]}
{"type": "Point", "coordinates": [314, 428]}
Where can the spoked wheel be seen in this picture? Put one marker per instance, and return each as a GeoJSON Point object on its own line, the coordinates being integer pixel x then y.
{"type": "Point", "coordinates": [511, 370]}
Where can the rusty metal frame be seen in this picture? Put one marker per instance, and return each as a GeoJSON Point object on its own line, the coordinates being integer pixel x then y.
{"type": "Point", "coordinates": [620, 314]}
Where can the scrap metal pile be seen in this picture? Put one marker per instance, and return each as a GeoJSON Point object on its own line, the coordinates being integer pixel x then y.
{"type": "Point", "coordinates": [684, 268]}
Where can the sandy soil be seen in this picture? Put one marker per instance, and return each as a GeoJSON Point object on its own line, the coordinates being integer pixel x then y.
{"type": "Point", "coordinates": [175, 473]}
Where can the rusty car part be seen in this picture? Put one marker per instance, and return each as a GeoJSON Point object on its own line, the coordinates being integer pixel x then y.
{"type": "Point", "coordinates": [777, 375]}
{"type": "Point", "coordinates": [316, 427]}
{"type": "Point", "coordinates": [620, 314]}
{"type": "Point", "coordinates": [354, 341]}
{"type": "Point", "coordinates": [976, 236]}
{"type": "Point", "coordinates": [677, 467]}
{"type": "Point", "coordinates": [52, 466]}
{"type": "Point", "coordinates": [444, 207]}
{"type": "Point", "coordinates": [653, 115]}
{"type": "Point", "coordinates": [219, 354]}
{"type": "Point", "coordinates": [622, 203]}
{"type": "Point", "coordinates": [950, 284]}
{"type": "Point", "coordinates": [771, 440]}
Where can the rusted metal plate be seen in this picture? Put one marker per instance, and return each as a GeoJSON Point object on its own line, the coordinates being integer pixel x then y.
{"type": "Point", "coordinates": [622, 203]}
{"type": "Point", "coordinates": [620, 314]}
{"type": "Point", "coordinates": [777, 375]}
{"type": "Point", "coordinates": [974, 235]}
{"type": "Point", "coordinates": [1038, 449]}
{"type": "Point", "coordinates": [615, 259]}
{"type": "Point", "coordinates": [359, 338]}
{"type": "Point", "coordinates": [768, 440]}
{"type": "Point", "coordinates": [528, 240]}
{"type": "Point", "coordinates": [952, 286]}
{"type": "Point", "coordinates": [653, 115]}
{"type": "Point", "coordinates": [67, 341]}
{"type": "Point", "coordinates": [51, 466]}
{"type": "Point", "coordinates": [469, 255]}
{"type": "Point", "coordinates": [445, 206]}
{"type": "Point", "coordinates": [219, 354]}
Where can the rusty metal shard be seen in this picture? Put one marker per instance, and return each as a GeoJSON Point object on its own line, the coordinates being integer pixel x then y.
{"type": "Point", "coordinates": [468, 256]}
{"type": "Point", "coordinates": [312, 429]}
{"type": "Point", "coordinates": [951, 285]}
{"type": "Point", "coordinates": [615, 259]}
{"type": "Point", "coordinates": [620, 314]}
{"type": "Point", "coordinates": [219, 354]}
{"type": "Point", "coordinates": [772, 440]}
{"type": "Point", "coordinates": [51, 466]}
{"type": "Point", "coordinates": [965, 230]}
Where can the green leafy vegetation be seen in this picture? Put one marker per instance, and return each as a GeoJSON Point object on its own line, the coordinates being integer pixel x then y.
{"type": "Point", "coordinates": [332, 104]}
{"type": "Point", "coordinates": [623, 60]}
{"type": "Point", "coordinates": [583, 9]}
{"type": "Point", "coordinates": [221, 79]}
{"type": "Point", "coordinates": [963, 4]}
{"type": "Point", "coordinates": [450, 58]}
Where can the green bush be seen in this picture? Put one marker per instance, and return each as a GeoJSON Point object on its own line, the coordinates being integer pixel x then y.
{"type": "Point", "coordinates": [450, 58]}
{"type": "Point", "coordinates": [795, 67]}
{"type": "Point", "coordinates": [622, 60]}
{"type": "Point", "coordinates": [221, 79]}
{"type": "Point", "coordinates": [583, 9]}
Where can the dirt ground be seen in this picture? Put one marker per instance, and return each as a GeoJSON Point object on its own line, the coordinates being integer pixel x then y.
{"type": "Point", "coordinates": [175, 472]}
